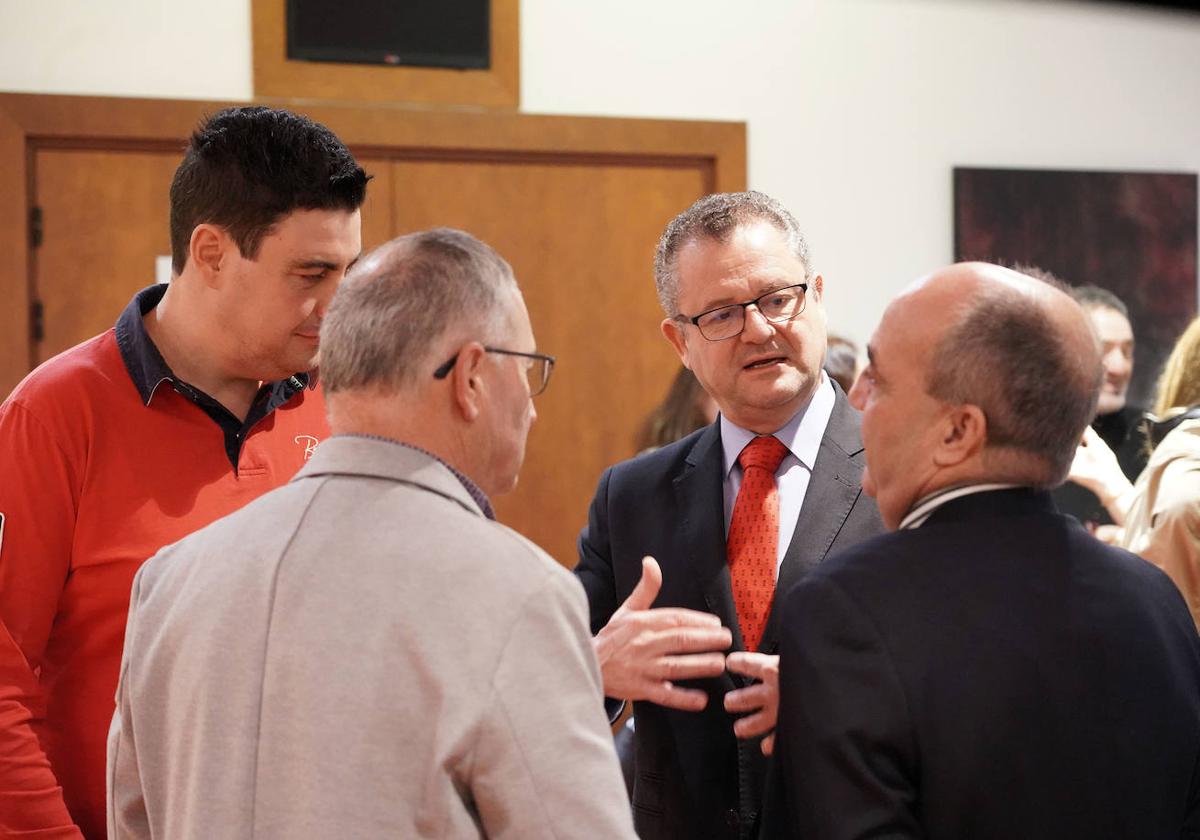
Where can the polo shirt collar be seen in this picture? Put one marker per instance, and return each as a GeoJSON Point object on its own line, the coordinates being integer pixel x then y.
{"type": "Point", "coordinates": [148, 369]}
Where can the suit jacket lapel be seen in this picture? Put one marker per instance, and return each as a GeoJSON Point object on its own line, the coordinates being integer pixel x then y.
{"type": "Point", "coordinates": [700, 496]}
{"type": "Point", "coordinates": [833, 488]}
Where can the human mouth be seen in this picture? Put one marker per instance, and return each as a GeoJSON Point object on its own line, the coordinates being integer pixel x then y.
{"type": "Point", "coordinates": [765, 362]}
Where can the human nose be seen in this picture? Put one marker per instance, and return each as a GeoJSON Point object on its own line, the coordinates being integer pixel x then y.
{"type": "Point", "coordinates": [858, 393]}
{"type": "Point", "coordinates": [1115, 361]}
{"type": "Point", "coordinates": [756, 328]}
{"type": "Point", "coordinates": [324, 296]}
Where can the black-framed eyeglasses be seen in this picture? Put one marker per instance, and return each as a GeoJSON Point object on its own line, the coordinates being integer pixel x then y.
{"type": "Point", "coordinates": [728, 321]}
{"type": "Point", "coordinates": [537, 371]}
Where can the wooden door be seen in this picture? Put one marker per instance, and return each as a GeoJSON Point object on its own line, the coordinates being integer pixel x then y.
{"type": "Point", "coordinates": [580, 236]}
{"type": "Point", "coordinates": [104, 219]}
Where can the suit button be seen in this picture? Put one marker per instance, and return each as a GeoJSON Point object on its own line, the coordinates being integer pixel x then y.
{"type": "Point", "coordinates": [731, 818]}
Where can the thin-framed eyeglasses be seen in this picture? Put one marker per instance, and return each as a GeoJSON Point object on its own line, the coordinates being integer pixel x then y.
{"type": "Point", "coordinates": [777, 306]}
{"type": "Point", "coordinates": [537, 368]}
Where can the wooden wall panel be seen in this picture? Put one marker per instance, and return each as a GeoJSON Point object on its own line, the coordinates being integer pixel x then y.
{"type": "Point", "coordinates": [16, 352]}
{"type": "Point", "coordinates": [581, 241]}
{"type": "Point", "coordinates": [378, 220]}
{"type": "Point", "coordinates": [576, 204]}
{"type": "Point", "coordinates": [104, 221]}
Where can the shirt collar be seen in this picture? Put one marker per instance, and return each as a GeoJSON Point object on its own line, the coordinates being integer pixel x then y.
{"type": "Point", "coordinates": [801, 434]}
{"type": "Point", "coordinates": [148, 369]}
{"type": "Point", "coordinates": [145, 364]}
{"type": "Point", "coordinates": [473, 490]}
{"type": "Point", "coordinates": [925, 507]}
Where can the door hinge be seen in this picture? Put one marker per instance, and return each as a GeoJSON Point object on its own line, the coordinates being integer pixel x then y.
{"type": "Point", "coordinates": [37, 320]}
{"type": "Point", "coordinates": [35, 226]}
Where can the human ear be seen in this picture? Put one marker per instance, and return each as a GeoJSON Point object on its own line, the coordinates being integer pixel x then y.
{"type": "Point", "coordinates": [672, 330]}
{"type": "Point", "coordinates": [817, 286]}
{"type": "Point", "coordinates": [206, 251]}
{"type": "Point", "coordinates": [466, 381]}
{"type": "Point", "coordinates": [964, 433]}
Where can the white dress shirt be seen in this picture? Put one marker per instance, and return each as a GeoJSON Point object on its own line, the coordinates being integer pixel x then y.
{"type": "Point", "coordinates": [925, 506]}
{"type": "Point", "coordinates": [802, 436]}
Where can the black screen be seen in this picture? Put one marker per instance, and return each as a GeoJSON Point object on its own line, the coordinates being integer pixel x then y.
{"type": "Point", "coordinates": [421, 33]}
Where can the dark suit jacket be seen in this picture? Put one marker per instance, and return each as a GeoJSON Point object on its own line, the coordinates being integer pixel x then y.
{"type": "Point", "coordinates": [995, 673]}
{"type": "Point", "coordinates": [694, 779]}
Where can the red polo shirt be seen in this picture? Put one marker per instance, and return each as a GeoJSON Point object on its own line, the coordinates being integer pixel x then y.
{"type": "Point", "coordinates": [105, 457]}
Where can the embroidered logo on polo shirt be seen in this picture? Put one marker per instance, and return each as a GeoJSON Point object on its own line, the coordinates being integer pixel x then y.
{"type": "Point", "coordinates": [309, 443]}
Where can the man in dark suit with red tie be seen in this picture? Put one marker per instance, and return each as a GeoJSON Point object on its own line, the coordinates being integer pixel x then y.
{"type": "Point", "coordinates": [731, 514]}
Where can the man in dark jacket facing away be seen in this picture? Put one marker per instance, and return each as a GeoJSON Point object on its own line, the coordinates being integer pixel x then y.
{"type": "Point", "coordinates": [989, 670]}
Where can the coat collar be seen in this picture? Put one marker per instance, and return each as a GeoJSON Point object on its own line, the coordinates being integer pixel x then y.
{"type": "Point", "coordinates": [374, 457]}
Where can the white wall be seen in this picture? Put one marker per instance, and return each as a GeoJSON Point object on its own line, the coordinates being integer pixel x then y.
{"type": "Point", "coordinates": [857, 109]}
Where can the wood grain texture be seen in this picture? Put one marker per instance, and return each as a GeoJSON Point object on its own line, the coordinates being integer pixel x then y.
{"type": "Point", "coordinates": [575, 204]}
{"type": "Point", "coordinates": [105, 220]}
{"type": "Point", "coordinates": [581, 240]}
{"type": "Point", "coordinates": [15, 345]}
{"type": "Point", "coordinates": [278, 76]}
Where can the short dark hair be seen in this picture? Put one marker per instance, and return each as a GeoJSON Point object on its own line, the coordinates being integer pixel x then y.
{"type": "Point", "coordinates": [246, 168]}
{"type": "Point", "coordinates": [1093, 296]}
{"type": "Point", "coordinates": [1007, 357]}
{"type": "Point", "coordinates": [716, 217]}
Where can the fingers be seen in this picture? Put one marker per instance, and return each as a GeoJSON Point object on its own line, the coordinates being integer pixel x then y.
{"type": "Point", "coordinates": [674, 697]}
{"type": "Point", "coordinates": [679, 640]}
{"type": "Point", "coordinates": [753, 665]}
{"type": "Point", "coordinates": [750, 699]}
{"type": "Point", "coordinates": [768, 744]}
{"type": "Point", "coordinates": [663, 618]}
{"type": "Point", "coordinates": [690, 667]}
{"type": "Point", "coordinates": [759, 702]}
{"type": "Point", "coordinates": [646, 591]}
{"type": "Point", "coordinates": [752, 726]}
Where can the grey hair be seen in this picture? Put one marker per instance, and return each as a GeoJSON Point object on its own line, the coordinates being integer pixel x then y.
{"type": "Point", "coordinates": [1092, 297]}
{"type": "Point", "coordinates": [389, 315]}
{"type": "Point", "coordinates": [1008, 358]}
{"type": "Point", "coordinates": [715, 217]}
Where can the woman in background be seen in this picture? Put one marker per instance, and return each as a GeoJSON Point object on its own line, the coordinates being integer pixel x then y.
{"type": "Point", "coordinates": [686, 408]}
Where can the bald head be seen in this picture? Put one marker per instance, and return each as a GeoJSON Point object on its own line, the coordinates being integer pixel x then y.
{"type": "Point", "coordinates": [976, 374]}
{"type": "Point", "coordinates": [1023, 352]}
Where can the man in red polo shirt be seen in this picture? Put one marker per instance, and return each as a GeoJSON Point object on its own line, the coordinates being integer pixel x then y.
{"type": "Point", "coordinates": [201, 398]}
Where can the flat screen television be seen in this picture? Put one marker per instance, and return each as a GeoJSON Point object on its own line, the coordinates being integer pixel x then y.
{"type": "Point", "coordinates": [414, 33]}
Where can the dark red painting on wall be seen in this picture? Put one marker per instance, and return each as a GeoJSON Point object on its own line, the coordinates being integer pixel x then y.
{"type": "Point", "coordinates": [1131, 233]}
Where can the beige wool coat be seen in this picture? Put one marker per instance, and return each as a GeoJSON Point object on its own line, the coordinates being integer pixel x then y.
{"type": "Point", "coordinates": [361, 653]}
{"type": "Point", "coordinates": [1163, 524]}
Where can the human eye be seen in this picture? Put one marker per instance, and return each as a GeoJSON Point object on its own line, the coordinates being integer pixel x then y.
{"type": "Point", "coordinates": [718, 316]}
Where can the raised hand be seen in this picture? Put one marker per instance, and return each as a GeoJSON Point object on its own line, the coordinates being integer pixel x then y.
{"type": "Point", "coordinates": [644, 651]}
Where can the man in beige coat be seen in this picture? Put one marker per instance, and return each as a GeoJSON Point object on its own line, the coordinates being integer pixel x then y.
{"type": "Point", "coordinates": [366, 652]}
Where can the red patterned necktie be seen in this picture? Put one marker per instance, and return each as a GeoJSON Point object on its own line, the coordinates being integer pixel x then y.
{"type": "Point", "coordinates": [753, 544]}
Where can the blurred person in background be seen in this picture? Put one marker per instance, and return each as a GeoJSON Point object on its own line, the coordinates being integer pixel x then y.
{"type": "Point", "coordinates": [1161, 512]}
{"type": "Point", "coordinates": [842, 361]}
{"type": "Point", "coordinates": [685, 408]}
{"type": "Point", "coordinates": [1117, 423]}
